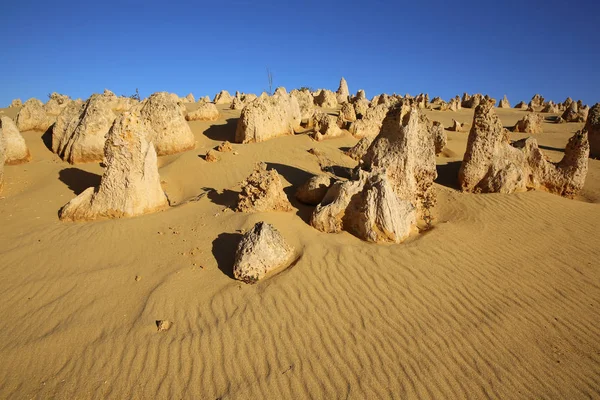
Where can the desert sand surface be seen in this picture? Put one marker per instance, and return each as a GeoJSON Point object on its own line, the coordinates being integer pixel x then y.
{"type": "Point", "coordinates": [501, 299]}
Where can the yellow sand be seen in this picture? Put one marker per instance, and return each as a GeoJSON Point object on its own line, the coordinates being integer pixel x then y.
{"type": "Point", "coordinates": [500, 300]}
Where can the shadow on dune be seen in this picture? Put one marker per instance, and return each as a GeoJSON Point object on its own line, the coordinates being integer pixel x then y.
{"type": "Point", "coordinates": [223, 249]}
{"type": "Point", "coordinates": [549, 148]}
{"type": "Point", "coordinates": [78, 180]}
{"type": "Point", "coordinates": [296, 177]}
{"type": "Point", "coordinates": [222, 132]}
{"type": "Point", "coordinates": [448, 174]}
{"type": "Point", "coordinates": [47, 138]}
{"type": "Point", "coordinates": [227, 197]}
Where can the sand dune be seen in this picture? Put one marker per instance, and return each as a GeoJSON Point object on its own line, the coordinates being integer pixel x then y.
{"type": "Point", "coordinates": [500, 300]}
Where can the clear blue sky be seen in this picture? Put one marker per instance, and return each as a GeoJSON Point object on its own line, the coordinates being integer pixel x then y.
{"type": "Point", "coordinates": [443, 48]}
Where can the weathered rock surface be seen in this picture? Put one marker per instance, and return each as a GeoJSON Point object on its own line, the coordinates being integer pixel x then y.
{"type": "Point", "coordinates": [164, 117]}
{"type": "Point", "coordinates": [592, 126]}
{"type": "Point", "coordinates": [325, 126]}
{"type": "Point", "coordinates": [536, 101]}
{"type": "Point", "coordinates": [531, 123]}
{"type": "Point", "coordinates": [504, 103]}
{"type": "Point", "coordinates": [16, 103]}
{"type": "Point", "coordinates": [370, 123]}
{"type": "Point", "coordinates": [211, 156]}
{"type": "Point", "coordinates": [550, 107]}
{"type": "Point", "coordinates": [394, 186]}
{"type": "Point", "coordinates": [454, 104]}
{"type": "Point", "coordinates": [343, 93]}
{"type": "Point", "coordinates": [32, 117]}
{"type": "Point", "coordinates": [405, 150]}
{"type": "Point", "coordinates": [439, 136]}
{"type": "Point", "coordinates": [521, 106]}
{"type": "Point", "coordinates": [313, 190]}
{"type": "Point", "coordinates": [368, 208]}
{"type": "Point", "coordinates": [130, 185]}
{"type": "Point", "coordinates": [223, 97]}
{"type": "Point", "coordinates": [263, 191]}
{"type": "Point", "coordinates": [575, 113]}
{"type": "Point", "coordinates": [224, 147]}
{"type": "Point", "coordinates": [260, 251]}
{"type": "Point", "coordinates": [347, 112]}
{"type": "Point", "coordinates": [268, 117]}
{"type": "Point", "coordinates": [491, 164]}
{"type": "Point", "coordinates": [359, 149]}
{"type": "Point", "coordinates": [15, 148]}
{"type": "Point", "coordinates": [326, 99]}
{"type": "Point", "coordinates": [80, 130]}
{"type": "Point", "coordinates": [456, 126]}
{"type": "Point", "coordinates": [204, 112]}
{"type": "Point", "coordinates": [305, 101]}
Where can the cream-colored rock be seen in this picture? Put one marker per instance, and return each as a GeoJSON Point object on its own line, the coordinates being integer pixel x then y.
{"type": "Point", "coordinates": [225, 147]}
{"type": "Point", "coordinates": [592, 126]}
{"type": "Point", "coordinates": [531, 123]}
{"type": "Point", "coordinates": [237, 104]}
{"type": "Point", "coordinates": [347, 112]}
{"type": "Point", "coordinates": [313, 190]}
{"type": "Point", "coordinates": [370, 123]}
{"type": "Point", "coordinates": [211, 156]}
{"type": "Point", "coordinates": [16, 151]}
{"type": "Point", "coordinates": [53, 108]}
{"type": "Point", "coordinates": [361, 106]}
{"type": "Point", "coordinates": [130, 184]}
{"type": "Point", "coordinates": [260, 251]}
{"type": "Point", "coordinates": [456, 126]}
{"type": "Point", "coordinates": [325, 126]}
{"type": "Point", "coordinates": [405, 150]}
{"type": "Point", "coordinates": [504, 103]}
{"type": "Point", "coordinates": [204, 112]}
{"type": "Point", "coordinates": [81, 130]}
{"type": "Point", "coordinates": [343, 93]}
{"type": "Point", "coordinates": [491, 164]}
{"type": "Point", "coordinates": [165, 119]}
{"type": "Point", "coordinates": [32, 117]}
{"type": "Point", "coordinates": [536, 101]}
{"type": "Point", "coordinates": [223, 97]}
{"type": "Point", "coordinates": [263, 191]}
{"type": "Point", "coordinates": [326, 99]}
{"type": "Point", "coordinates": [190, 98]}
{"type": "Point", "coordinates": [454, 104]}
{"type": "Point", "coordinates": [439, 136]}
{"type": "Point", "coordinates": [305, 101]}
{"type": "Point", "coordinates": [472, 101]}
{"type": "Point", "coordinates": [15, 103]}
{"type": "Point", "coordinates": [550, 107]}
{"type": "Point", "coordinates": [575, 113]}
{"type": "Point", "coordinates": [521, 106]}
{"type": "Point", "coordinates": [65, 125]}
{"type": "Point", "coordinates": [268, 117]}
{"type": "Point", "coordinates": [204, 99]}
{"type": "Point", "coordinates": [368, 208]}
{"type": "Point", "coordinates": [360, 148]}
{"type": "Point", "coordinates": [280, 91]}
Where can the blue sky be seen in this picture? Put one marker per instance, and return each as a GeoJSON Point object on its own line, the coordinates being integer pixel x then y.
{"type": "Point", "coordinates": [443, 48]}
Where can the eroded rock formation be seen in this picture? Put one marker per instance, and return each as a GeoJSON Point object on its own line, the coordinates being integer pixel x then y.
{"type": "Point", "coordinates": [260, 251]}
{"type": "Point", "coordinates": [130, 184]}
{"type": "Point", "coordinates": [491, 164]}
{"type": "Point", "coordinates": [263, 191]}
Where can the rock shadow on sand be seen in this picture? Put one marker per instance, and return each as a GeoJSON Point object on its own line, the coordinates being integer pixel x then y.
{"type": "Point", "coordinates": [222, 132]}
{"type": "Point", "coordinates": [448, 174]}
{"type": "Point", "coordinates": [227, 197]}
{"type": "Point", "coordinates": [223, 249]}
{"type": "Point", "coordinates": [78, 180]}
{"type": "Point", "coordinates": [296, 177]}
{"type": "Point", "coordinates": [47, 137]}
